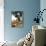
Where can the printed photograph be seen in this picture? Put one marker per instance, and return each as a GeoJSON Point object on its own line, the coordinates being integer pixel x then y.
{"type": "Point", "coordinates": [17, 18]}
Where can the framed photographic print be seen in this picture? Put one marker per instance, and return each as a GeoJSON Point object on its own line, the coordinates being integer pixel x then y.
{"type": "Point", "coordinates": [17, 19]}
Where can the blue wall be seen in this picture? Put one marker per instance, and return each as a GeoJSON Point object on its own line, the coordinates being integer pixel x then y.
{"type": "Point", "coordinates": [30, 7]}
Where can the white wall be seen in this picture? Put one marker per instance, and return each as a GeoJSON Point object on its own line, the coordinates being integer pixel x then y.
{"type": "Point", "coordinates": [1, 20]}
{"type": "Point", "coordinates": [43, 6]}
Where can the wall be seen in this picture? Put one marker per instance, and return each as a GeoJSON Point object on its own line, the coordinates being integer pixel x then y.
{"type": "Point", "coordinates": [1, 21]}
{"type": "Point", "coordinates": [42, 6]}
{"type": "Point", "coordinates": [30, 7]}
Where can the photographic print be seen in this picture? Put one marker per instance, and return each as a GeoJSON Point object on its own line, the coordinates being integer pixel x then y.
{"type": "Point", "coordinates": [17, 18]}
